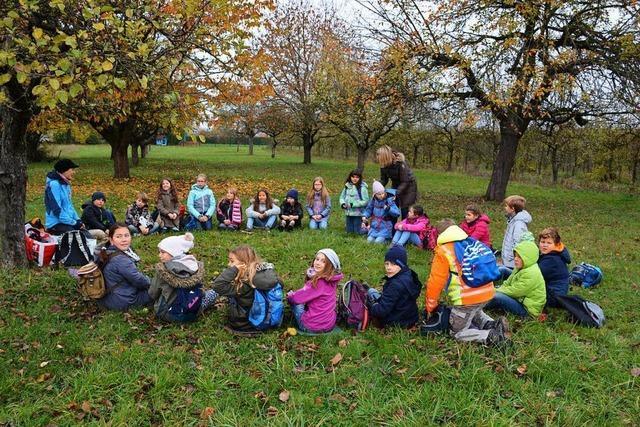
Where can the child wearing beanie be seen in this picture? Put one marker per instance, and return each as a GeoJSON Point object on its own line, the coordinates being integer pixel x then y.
{"type": "Point", "coordinates": [314, 305]}
{"type": "Point", "coordinates": [397, 305]}
{"type": "Point", "coordinates": [176, 287]}
{"type": "Point", "coordinates": [291, 213]}
{"type": "Point", "coordinates": [382, 213]}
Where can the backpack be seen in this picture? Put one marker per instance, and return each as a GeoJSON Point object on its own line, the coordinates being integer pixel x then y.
{"type": "Point", "coordinates": [583, 312]}
{"type": "Point", "coordinates": [438, 322]}
{"type": "Point", "coordinates": [267, 310]}
{"type": "Point", "coordinates": [91, 283]}
{"type": "Point", "coordinates": [74, 249]}
{"type": "Point", "coordinates": [585, 275]}
{"type": "Point", "coordinates": [352, 307]}
{"type": "Point", "coordinates": [430, 240]}
{"type": "Point", "coordinates": [477, 264]}
{"type": "Point", "coordinates": [186, 305]}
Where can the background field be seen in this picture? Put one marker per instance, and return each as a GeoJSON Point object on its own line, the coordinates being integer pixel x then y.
{"type": "Point", "coordinates": [63, 360]}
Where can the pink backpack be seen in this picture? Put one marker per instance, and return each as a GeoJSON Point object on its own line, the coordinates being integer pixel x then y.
{"type": "Point", "coordinates": [430, 240]}
{"type": "Point", "coordinates": [352, 307]}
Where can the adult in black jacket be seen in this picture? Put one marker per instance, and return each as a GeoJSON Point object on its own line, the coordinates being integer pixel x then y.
{"type": "Point", "coordinates": [394, 167]}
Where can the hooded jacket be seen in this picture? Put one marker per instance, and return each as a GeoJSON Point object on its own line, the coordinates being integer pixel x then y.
{"type": "Point", "coordinates": [516, 226]}
{"type": "Point", "coordinates": [184, 273]}
{"type": "Point", "coordinates": [418, 225]}
{"type": "Point", "coordinates": [444, 262]}
{"type": "Point", "coordinates": [242, 298]}
{"type": "Point", "coordinates": [383, 214]}
{"type": "Point", "coordinates": [478, 229]}
{"type": "Point", "coordinates": [231, 211]}
{"type": "Point", "coordinates": [355, 200]}
{"type": "Point", "coordinates": [126, 286]}
{"type": "Point", "coordinates": [402, 180]}
{"type": "Point", "coordinates": [201, 201]}
{"type": "Point", "coordinates": [320, 311]}
{"type": "Point", "coordinates": [527, 284]}
{"type": "Point", "coordinates": [398, 304]}
{"type": "Point", "coordinates": [553, 267]}
{"type": "Point", "coordinates": [57, 202]}
{"type": "Point", "coordinates": [95, 218]}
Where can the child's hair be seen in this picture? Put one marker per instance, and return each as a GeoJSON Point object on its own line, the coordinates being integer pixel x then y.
{"type": "Point", "coordinates": [550, 233]}
{"type": "Point", "coordinates": [417, 210]}
{"type": "Point", "coordinates": [442, 225]}
{"type": "Point", "coordinates": [355, 172]}
{"type": "Point", "coordinates": [142, 196]}
{"type": "Point", "coordinates": [385, 156]}
{"type": "Point", "coordinates": [201, 175]}
{"type": "Point", "coordinates": [256, 201]}
{"type": "Point", "coordinates": [246, 255]}
{"type": "Point", "coordinates": [515, 202]}
{"type": "Point", "coordinates": [172, 190]}
{"type": "Point", "coordinates": [233, 191]}
{"type": "Point", "coordinates": [327, 273]}
{"type": "Point", "coordinates": [324, 193]}
{"type": "Point", "coordinates": [116, 226]}
{"type": "Point", "coordinates": [472, 207]}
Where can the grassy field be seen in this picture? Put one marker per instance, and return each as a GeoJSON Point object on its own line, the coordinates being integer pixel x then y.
{"type": "Point", "coordinates": [63, 361]}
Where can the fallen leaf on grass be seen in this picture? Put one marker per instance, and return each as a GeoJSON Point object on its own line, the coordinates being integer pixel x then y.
{"type": "Point", "coordinates": [43, 377]}
{"type": "Point", "coordinates": [86, 406]}
{"type": "Point", "coordinates": [207, 412]}
{"type": "Point", "coordinates": [521, 370]}
{"type": "Point", "coordinates": [555, 393]}
{"type": "Point", "coordinates": [318, 401]}
{"type": "Point", "coordinates": [635, 372]}
{"type": "Point", "coordinates": [262, 396]}
{"type": "Point", "coordinates": [284, 395]}
{"type": "Point", "coordinates": [336, 359]}
{"type": "Point", "coordinates": [339, 398]}
{"type": "Point", "coordinates": [343, 342]}
{"type": "Point", "coordinates": [272, 411]}
{"type": "Point", "coordinates": [45, 363]}
{"type": "Point", "coordinates": [402, 371]}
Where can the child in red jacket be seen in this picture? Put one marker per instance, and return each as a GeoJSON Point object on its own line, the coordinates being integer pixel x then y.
{"type": "Point", "coordinates": [476, 224]}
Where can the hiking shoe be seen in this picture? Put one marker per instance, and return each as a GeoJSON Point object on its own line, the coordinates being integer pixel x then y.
{"type": "Point", "coordinates": [495, 338]}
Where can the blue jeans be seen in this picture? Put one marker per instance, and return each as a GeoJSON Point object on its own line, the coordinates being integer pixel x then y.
{"type": "Point", "coordinates": [195, 224]}
{"type": "Point", "coordinates": [508, 304]}
{"type": "Point", "coordinates": [353, 224]}
{"type": "Point", "coordinates": [298, 311]}
{"type": "Point", "coordinates": [402, 237]}
{"type": "Point", "coordinates": [261, 223]}
{"type": "Point", "coordinates": [315, 225]}
{"type": "Point", "coordinates": [379, 239]}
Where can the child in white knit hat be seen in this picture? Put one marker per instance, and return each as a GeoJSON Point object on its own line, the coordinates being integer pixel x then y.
{"type": "Point", "coordinates": [176, 287]}
{"type": "Point", "coordinates": [381, 213]}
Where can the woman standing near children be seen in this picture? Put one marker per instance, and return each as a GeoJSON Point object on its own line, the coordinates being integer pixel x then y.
{"type": "Point", "coordinates": [291, 213]}
{"type": "Point", "coordinates": [168, 206]}
{"type": "Point", "coordinates": [126, 287]}
{"type": "Point", "coordinates": [476, 224]}
{"type": "Point", "coordinates": [413, 229]}
{"type": "Point", "coordinates": [246, 272]}
{"type": "Point", "coordinates": [382, 213]}
{"type": "Point", "coordinates": [176, 287]}
{"type": "Point", "coordinates": [314, 305]}
{"type": "Point", "coordinates": [394, 167]}
{"type": "Point", "coordinates": [138, 218]}
{"type": "Point", "coordinates": [201, 204]}
{"type": "Point", "coordinates": [229, 211]}
{"type": "Point", "coordinates": [318, 205]}
{"type": "Point", "coordinates": [553, 262]}
{"type": "Point", "coordinates": [353, 199]}
{"type": "Point", "coordinates": [262, 212]}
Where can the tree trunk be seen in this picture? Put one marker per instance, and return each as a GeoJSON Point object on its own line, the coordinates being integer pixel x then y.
{"type": "Point", "coordinates": [415, 155]}
{"type": "Point", "coordinates": [450, 150]}
{"type": "Point", "coordinates": [362, 157]}
{"type": "Point", "coordinates": [504, 161]}
{"type": "Point", "coordinates": [273, 148]}
{"type": "Point", "coordinates": [144, 150]}
{"type": "Point", "coordinates": [554, 163]}
{"type": "Point", "coordinates": [307, 143]}
{"type": "Point", "coordinates": [135, 159]}
{"type": "Point", "coordinates": [251, 146]}
{"type": "Point", "coordinates": [13, 181]}
{"type": "Point", "coordinates": [119, 136]}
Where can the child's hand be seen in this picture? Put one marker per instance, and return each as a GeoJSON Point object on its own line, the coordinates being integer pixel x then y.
{"type": "Point", "coordinates": [344, 206]}
{"type": "Point", "coordinates": [399, 227]}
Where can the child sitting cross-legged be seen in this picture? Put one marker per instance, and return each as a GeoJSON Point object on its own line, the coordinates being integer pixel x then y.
{"type": "Point", "coordinates": [96, 218]}
{"type": "Point", "coordinates": [229, 211]}
{"type": "Point", "coordinates": [262, 211]}
{"type": "Point", "coordinates": [412, 229]}
{"type": "Point", "coordinates": [291, 212]}
{"type": "Point", "coordinates": [138, 217]}
{"type": "Point", "coordinates": [397, 305]}
{"type": "Point", "coordinates": [314, 305]}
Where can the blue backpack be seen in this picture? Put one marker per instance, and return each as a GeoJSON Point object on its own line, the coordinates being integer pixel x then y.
{"type": "Point", "coordinates": [267, 309]}
{"type": "Point", "coordinates": [585, 275]}
{"type": "Point", "coordinates": [186, 305]}
{"type": "Point", "coordinates": [477, 262]}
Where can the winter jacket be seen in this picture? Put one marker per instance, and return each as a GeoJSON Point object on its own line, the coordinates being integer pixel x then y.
{"type": "Point", "coordinates": [201, 201]}
{"type": "Point", "coordinates": [516, 226]}
{"type": "Point", "coordinates": [326, 205]}
{"type": "Point", "coordinates": [478, 229]}
{"type": "Point", "coordinates": [241, 300]}
{"type": "Point", "coordinates": [57, 202]}
{"type": "Point", "coordinates": [418, 225]}
{"type": "Point", "coordinates": [231, 211]}
{"type": "Point", "coordinates": [295, 209]}
{"type": "Point", "coordinates": [402, 180]}
{"type": "Point", "coordinates": [553, 267]}
{"type": "Point", "coordinates": [166, 206]}
{"type": "Point", "coordinates": [398, 304]}
{"type": "Point", "coordinates": [171, 276]}
{"type": "Point", "coordinates": [382, 214]}
{"type": "Point", "coordinates": [356, 200]}
{"type": "Point", "coordinates": [135, 214]}
{"type": "Point", "coordinates": [443, 264]}
{"type": "Point", "coordinates": [320, 310]}
{"type": "Point", "coordinates": [527, 285]}
{"type": "Point", "coordinates": [262, 208]}
{"type": "Point", "coordinates": [126, 286]}
{"type": "Point", "coordinates": [95, 218]}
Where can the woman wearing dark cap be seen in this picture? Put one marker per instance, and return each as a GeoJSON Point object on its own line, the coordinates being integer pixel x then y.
{"type": "Point", "coordinates": [394, 167]}
{"type": "Point", "coordinates": [61, 216]}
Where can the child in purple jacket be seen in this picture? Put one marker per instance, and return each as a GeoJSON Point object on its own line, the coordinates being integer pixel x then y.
{"type": "Point", "coordinates": [314, 306]}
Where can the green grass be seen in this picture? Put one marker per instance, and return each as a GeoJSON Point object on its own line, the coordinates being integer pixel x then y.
{"type": "Point", "coordinates": [63, 360]}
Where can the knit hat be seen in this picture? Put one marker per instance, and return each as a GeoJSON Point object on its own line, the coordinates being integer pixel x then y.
{"type": "Point", "coordinates": [177, 245]}
{"type": "Point", "coordinates": [64, 165]}
{"type": "Point", "coordinates": [397, 255]}
{"type": "Point", "coordinates": [332, 256]}
{"type": "Point", "coordinates": [293, 193]}
{"type": "Point", "coordinates": [97, 196]}
{"type": "Point", "coordinates": [377, 187]}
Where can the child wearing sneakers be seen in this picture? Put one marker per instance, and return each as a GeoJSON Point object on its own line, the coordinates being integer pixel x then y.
{"type": "Point", "coordinates": [413, 229]}
{"type": "Point", "coordinates": [382, 212]}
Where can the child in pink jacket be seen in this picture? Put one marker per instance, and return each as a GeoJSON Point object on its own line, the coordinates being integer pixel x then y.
{"type": "Point", "coordinates": [412, 229]}
{"type": "Point", "coordinates": [476, 224]}
{"type": "Point", "coordinates": [314, 306]}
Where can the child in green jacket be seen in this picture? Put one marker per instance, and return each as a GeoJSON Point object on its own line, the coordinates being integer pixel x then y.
{"type": "Point", "coordinates": [354, 199]}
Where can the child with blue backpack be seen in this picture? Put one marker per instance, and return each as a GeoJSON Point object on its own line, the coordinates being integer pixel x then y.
{"type": "Point", "coordinates": [176, 287]}
{"type": "Point", "coordinates": [246, 273]}
{"type": "Point", "coordinates": [314, 305]}
{"type": "Point", "coordinates": [381, 213]}
{"type": "Point", "coordinates": [353, 199]}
